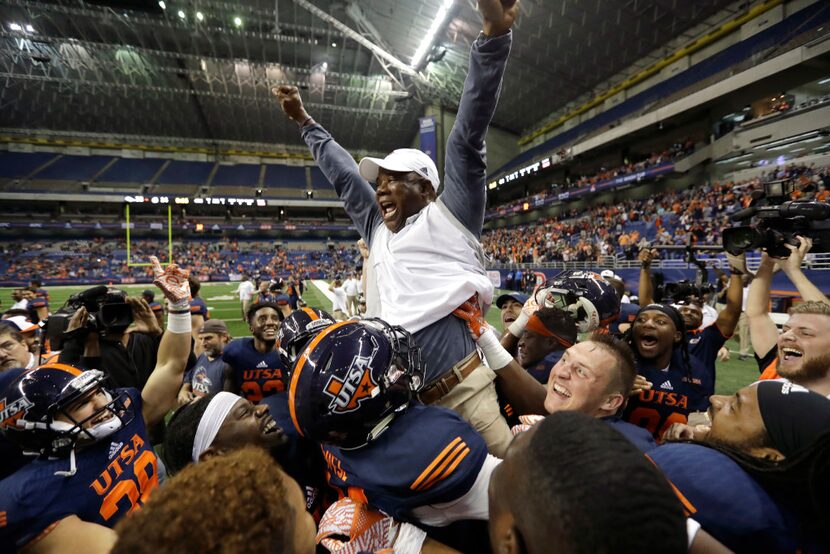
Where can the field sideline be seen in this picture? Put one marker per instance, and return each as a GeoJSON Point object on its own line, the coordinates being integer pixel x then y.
{"type": "Point", "coordinates": [224, 304]}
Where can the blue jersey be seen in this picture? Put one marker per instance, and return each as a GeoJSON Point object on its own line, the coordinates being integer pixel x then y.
{"type": "Point", "coordinates": [255, 375]}
{"type": "Point", "coordinates": [638, 436]}
{"type": "Point", "coordinates": [675, 393]}
{"type": "Point", "coordinates": [705, 343]}
{"type": "Point", "coordinates": [198, 307]}
{"type": "Point", "coordinates": [428, 455]}
{"type": "Point", "coordinates": [628, 313]}
{"type": "Point", "coordinates": [541, 370]}
{"type": "Point", "coordinates": [301, 459]}
{"type": "Point", "coordinates": [114, 477]}
{"type": "Point", "coordinates": [728, 503]}
{"type": "Point", "coordinates": [206, 376]}
{"type": "Point", "coordinates": [35, 304]}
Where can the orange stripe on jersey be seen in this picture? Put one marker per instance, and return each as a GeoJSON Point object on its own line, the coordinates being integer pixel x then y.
{"type": "Point", "coordinates": [295, 375]}
{"type": "Point", "coordinates": [311, 313]}
{"type": "Point", "coordinates": [458, 457]}
{"type": "Point", "coordinates": [440, 469]}
{"type": "Point", "coordinates": [424, 476]}
{"type": "Point", "coordinates": [3, 519]}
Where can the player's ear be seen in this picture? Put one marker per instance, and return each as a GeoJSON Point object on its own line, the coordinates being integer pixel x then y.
{"type": "Point", "coordinates": [613, 402]}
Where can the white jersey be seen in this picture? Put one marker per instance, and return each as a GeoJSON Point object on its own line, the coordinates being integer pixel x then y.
{"type": "Point", "coordinates": [426, 270]}
{"type": "Point", "coordinates": [245, 290]}
{"type": "Point", "coordinates": [339, 300]}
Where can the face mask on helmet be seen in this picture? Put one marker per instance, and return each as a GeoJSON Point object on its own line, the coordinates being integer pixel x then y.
{"type": "Point", "coordinates": [586, 296]}
{"type": "Point", "coordinates": [352, 380]}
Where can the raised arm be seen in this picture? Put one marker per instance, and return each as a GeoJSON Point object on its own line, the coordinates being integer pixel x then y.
{"type": "Point", "coordinates": [729, 316]}
{"type": "Point", "coordinates": [465, 167]}
{"type": "Point", "coordinates": [335, 162]}
{"type": "Point", "coordinates": [646, 292]}
{"type": "Point", "coordinates": [520, 389]}
{"type": "Point", "coordinates": [161, 390]}
{"type": "Point", "coordinates": [792, 268]}
{"type": "Point", "coordinates": [762, 330]}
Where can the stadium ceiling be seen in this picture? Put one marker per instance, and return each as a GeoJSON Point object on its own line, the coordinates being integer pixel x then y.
{"type": "Point", "coordinates": [202, 69]}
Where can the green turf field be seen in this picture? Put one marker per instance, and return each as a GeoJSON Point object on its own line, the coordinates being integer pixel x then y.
{"type": "Point", "coordinates": [224, 304]}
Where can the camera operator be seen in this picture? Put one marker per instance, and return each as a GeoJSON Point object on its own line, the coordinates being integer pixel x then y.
{"type": "Point", "coordinates": [801, 353]}
{"type": "Point", "coordinates": [704, 342]}
{"type": "Point", "coordinates": [124, 346]}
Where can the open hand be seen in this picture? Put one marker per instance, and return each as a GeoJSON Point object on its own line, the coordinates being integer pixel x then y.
{"type": "Point", "coordinates": [498, 15]}
{"type": "Point", "coordinates": [144, 321]}
{"type": "Point", "coordinates": [172, 281]}
{"type": "Point", "coordinates": [291, 102]}
{"type": "Point", "coordinates": [797, 254]}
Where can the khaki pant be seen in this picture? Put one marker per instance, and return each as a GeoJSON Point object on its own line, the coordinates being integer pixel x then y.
{"type": "Point", "coordinates": [351, 305]}
{"type": "Point", "coordinates": [475, 400]}
{"type": "Point", "coordinates": [245, 305]}
{"type": "Point", "coordinates": [743, 334]}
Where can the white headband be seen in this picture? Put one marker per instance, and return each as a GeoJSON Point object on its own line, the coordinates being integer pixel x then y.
{"type": "Point", "coordinates": [212, 420]}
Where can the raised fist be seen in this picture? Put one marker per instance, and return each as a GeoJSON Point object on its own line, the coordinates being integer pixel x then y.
{"type": "Point", "coordinates": [498, 15]}
{"type": "Point", "coordinates": [291, 102]}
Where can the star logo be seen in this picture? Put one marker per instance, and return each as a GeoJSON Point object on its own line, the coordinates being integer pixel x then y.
{"type": "Point", "coordinates": [348, 394]}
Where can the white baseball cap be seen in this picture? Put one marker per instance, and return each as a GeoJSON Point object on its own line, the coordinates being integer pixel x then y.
{"type": "Point", "coordinates": [607, 274]}
{"type": "Point", "coordinates": [402, 160]}
{"type": "Point", "coordinates": [23, 325]}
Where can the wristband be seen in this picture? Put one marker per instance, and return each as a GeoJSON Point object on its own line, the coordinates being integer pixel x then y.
{"type": "Point", "coordinates": [178, 317]}
{"type": "Point", "coordinates": [518, 327]}
{"type": "Point", "coordinates": [494, 353]}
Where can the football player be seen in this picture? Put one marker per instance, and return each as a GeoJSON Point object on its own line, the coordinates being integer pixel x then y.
{"type": "Point", "coordinates": [299, 328]}
{"type": "Point", "coordinates": [94, 460]}
{"type": "Point", "coordinates": [674, 383]}
{"type": "Point", "coordinates": [759, 477]}
{"type": "Point", "coordinates": [352, 390]}
{"type": "Point", "coordinates": [257, 369]}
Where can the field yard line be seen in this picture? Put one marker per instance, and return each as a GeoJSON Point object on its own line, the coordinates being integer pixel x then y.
{"type": "Point", "coordinates": [323, 287]}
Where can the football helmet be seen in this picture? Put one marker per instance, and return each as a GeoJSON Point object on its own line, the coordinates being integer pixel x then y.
{"type": "Point", "coordinates": [32, 403]}
{"type": "Point", "coordinates": [352, 380]}
{"type": "Point", "coordinates": [297, 329]}
{"type": "Point", "coordinates": [590, 299]}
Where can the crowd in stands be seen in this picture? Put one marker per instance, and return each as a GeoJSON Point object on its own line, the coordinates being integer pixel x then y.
{"type": "Point", "coordinates": [675, 152]}
{"type": "Point", "coordinates": [98, 259]}
{"type": "Point", "coordinates": [697, 215]}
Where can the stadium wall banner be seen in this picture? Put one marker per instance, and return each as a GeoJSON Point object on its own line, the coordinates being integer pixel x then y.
{"type": "Point", "coordinates": [429, 140]}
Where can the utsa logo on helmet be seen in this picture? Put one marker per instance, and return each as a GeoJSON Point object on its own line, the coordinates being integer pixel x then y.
{"type": "Point", "coordinates": [10, 413]}
{"type": "Point", "coordinates": [358, 385]}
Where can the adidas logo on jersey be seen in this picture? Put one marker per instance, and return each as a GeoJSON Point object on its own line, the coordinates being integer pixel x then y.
{"type": "Point", "coordinates": [262, 365]}
{"type": "Point", "coordinates": [115, 448]}
{"type": "Point", "coordinates": [667, 386]}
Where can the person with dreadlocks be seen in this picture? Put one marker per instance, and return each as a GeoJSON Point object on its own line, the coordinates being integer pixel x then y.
{"type": "Point", "coordinates": [671, 383]}
{"type": "Point", "coordinates": [758, 477]}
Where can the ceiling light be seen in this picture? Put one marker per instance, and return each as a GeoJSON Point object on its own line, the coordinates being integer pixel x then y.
{"type": "Point", "coordinates": [204, 65]}
{"type": "Point", "coordinates": [237, 21]}
{"type": "Point", "coordinates": [437, 23]}
{"type": "Point", "coordinates": [824, 81]}
{"type": "Point", "coordinates": [181, 14]}
{"type": "Point", "coordinates": [15, 27]}
{"type": "Point", "coordinates": [162, 5]}
{"type": "Point", "coordinates": [334, 45]}
{"type": "Point", "coordinates": [200, 16]}
{"type": "Point", "coordinates": [29, 28]}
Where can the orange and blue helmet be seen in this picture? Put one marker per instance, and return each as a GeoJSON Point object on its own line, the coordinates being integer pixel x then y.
{"type": "Point", "coordinates": [591, 300]}
{"type": "Point", "coordinates": [299, 328]}
{"type": "Point", "coordinates": [36, 409]}
{"type": "Point", "coordinates": [352, 380]}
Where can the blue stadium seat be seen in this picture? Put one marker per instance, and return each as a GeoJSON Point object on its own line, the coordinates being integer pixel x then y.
{"type": "Point", "coordinates": [237, 175]}
{"type": "Point", "coordinates": [73, 168]}
{"type": "Point", "coordinates": [285, 176]}
{"type": "Point", "coordinates": [185, 173]}
{"type": "Point", "coordinates": [16, 165]}
{"type": "Point", "coordinates": [127, 170]}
